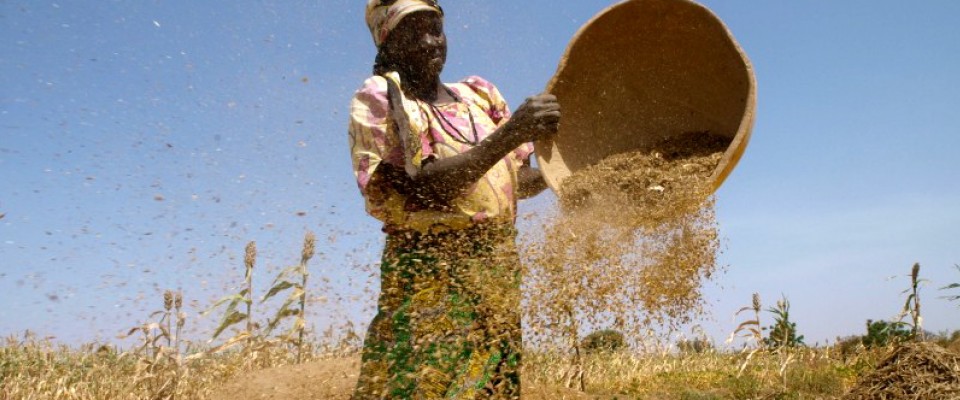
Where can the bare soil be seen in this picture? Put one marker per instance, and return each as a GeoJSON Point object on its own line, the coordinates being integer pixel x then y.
{"type": "Point", "coordinates": [326, 379]}
{"type": "Point", "coordinates": [335, 379]}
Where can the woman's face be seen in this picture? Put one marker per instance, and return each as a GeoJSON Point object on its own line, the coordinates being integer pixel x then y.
{"type": "Point", "coordinates": [418, 44]}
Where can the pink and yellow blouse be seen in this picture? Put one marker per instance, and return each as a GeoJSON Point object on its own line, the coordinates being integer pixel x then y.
{"type": "Point", "coordinates": [423, 131]}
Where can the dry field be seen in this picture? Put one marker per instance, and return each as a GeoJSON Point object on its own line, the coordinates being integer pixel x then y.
{"type": "Point", "coordinates": [279, 359]}
{"type": "Point", "coordinates": [333, 379]}
{"type": "Point", "coordinates": [33, 369]}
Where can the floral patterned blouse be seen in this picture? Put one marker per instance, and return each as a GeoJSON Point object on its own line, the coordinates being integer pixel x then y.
{"type": "Point", "coordinates": [420, 131]}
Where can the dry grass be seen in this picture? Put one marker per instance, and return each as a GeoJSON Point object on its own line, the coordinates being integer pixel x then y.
{"type": "Point", "coordinates": [165, 367]}
{"type": "Point", "coordinates": [37, 369]}
{"type": "Point", "coordinates": [914, 371]}
{"type": "Point", "coordinates": [814, 373]}
{"type": "Point", "coordinates": [31, 368]}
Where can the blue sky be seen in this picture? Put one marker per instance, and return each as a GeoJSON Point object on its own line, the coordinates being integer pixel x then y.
{"type": "Point", "coordinates": [142, 144]}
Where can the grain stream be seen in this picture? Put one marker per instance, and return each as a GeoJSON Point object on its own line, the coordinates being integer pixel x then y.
{"type": "Point", "coordinates": [634, 240]}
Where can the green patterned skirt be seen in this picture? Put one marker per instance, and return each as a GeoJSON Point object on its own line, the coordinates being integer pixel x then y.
{"type": "Point", "coordinates": [448, 320]}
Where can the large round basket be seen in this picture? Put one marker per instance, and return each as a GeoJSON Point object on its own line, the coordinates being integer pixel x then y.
{"type": "Point", "coordinates": [641, 72]}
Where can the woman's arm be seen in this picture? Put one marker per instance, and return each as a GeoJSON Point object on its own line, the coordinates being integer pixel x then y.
{"type": "Point", "coordinates": [440, 181]}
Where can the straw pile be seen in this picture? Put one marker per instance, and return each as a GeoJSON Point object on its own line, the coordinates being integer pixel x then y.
{"type": "Point", "coordinates": [912, 371]}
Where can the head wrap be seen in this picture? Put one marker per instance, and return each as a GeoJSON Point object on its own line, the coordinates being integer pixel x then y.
{"type": "Point", "coordinates": [384, 15]}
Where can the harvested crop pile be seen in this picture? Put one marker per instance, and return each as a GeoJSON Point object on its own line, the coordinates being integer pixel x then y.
{"type": "Point", "coordinates": [912, 371]}
{"type": "Point", "coordinates": [635, 238]}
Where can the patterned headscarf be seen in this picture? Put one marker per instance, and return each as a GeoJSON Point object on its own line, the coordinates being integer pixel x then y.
{"type": "Point", "coordinates": [384, 15]}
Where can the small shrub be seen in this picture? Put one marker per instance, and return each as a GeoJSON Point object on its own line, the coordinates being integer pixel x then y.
{"type": "Point", "coordinates": [883, 333]}
{"type": "Point", "coordinates": [783, 332]}
{"type": "Point", "coordinates": [607, 340]}
{"type": "Point", "coordinates": [848, 346]}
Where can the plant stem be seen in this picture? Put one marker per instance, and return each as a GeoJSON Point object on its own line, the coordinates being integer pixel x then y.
{"type": "Point", "coordinates": [303, 307]}
{"type": "Point", "coordinates": [249, 260]}
{"type": "Point", "coordinates": [309, 248]}
{"type": "Point", "coordinates": [915, 284]}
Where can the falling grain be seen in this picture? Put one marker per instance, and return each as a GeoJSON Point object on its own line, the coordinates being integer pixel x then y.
{"type": "Point", "coordinates": [634, 241]}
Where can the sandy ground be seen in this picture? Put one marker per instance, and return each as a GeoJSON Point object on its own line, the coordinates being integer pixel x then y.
{"type": "Point", "coordinates": [328, 379]}
{"type": "Point", "coordinates": [334, 380]}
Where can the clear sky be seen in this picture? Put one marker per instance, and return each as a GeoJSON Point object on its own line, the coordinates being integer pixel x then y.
{"type": "Point", "coordinates": [143, 144]}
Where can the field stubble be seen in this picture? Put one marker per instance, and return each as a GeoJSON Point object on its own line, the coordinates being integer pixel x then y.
{"type": "Point", "coordinates": [586, 274]}
{"type": "Point", "coordinates": [37, 370]}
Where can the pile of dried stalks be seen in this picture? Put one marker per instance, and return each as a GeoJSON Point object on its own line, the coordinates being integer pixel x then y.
{"type": "Point", "coordinates": [912, 371]}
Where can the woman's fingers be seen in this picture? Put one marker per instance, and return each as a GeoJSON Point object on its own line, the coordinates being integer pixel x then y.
{"type": "Point", "coordinates": [549, 107]}
{"type": "Point", "coordinates": [538, 117]}
{"type": "Point", "coordinates": [545, 97]}
{"type": "Point", "coordinates": [546, 101]}
{"type": "Point", "coordinates": [547, 113]}
{"type": "Point", "coordinates": [548, 116]}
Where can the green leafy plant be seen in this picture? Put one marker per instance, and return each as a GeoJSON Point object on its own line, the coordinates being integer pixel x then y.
{"type": "Point", "coordinates": [294, 280]}
{"type": "Point", "coordinates": [606, 340]}
{"type": "Point", "coordinates": [258, 344]}
{"type": "Point", "coordinates": [883, 333]}
{"type": "Point", "coordinates": [783, 332]}
{"type": "Point", "coordinates": [782, 336]}
{"type": "Point", "coordinates": [232, 314]}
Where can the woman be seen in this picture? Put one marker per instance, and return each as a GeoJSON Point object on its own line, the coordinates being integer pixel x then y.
{"type": "Point", "coordinates": [442, 166]}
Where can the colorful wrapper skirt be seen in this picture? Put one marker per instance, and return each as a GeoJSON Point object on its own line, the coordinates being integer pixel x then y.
{"type": "Point", "coordinates": [448, 322]}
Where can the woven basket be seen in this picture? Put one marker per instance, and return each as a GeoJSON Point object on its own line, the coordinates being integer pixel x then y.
{"type": "Point", "coordinates": [643, 71]}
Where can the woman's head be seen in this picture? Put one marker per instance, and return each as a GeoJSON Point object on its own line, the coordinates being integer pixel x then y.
{"type": "Point", "coordinates": [409, 37]}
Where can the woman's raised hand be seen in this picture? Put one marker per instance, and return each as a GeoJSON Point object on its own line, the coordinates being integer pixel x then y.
{"type": "Point", "coordinates": [537, 118]}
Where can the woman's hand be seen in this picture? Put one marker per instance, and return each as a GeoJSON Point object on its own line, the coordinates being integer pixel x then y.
{"type": "Point", "coordinates": [537, 118]}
